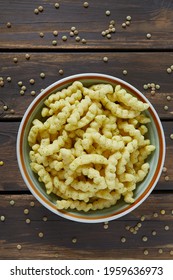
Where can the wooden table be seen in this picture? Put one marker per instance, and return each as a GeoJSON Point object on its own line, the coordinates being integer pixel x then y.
{"type": "Point", "coordinates": [148, 230]}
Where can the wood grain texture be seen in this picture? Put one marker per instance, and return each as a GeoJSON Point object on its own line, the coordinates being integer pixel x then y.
{"type": "Point", "coordinates": [142, 68]}
{"type": "Point", "coordinates": [58, 232]}
{"type": "Point", "coordinates": [10, 176]}
{"type": "Point", "coordinates": [149, 16]}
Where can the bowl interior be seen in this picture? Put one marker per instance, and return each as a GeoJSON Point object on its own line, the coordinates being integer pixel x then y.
{"type": "Point", "coordinates": [155, 134]}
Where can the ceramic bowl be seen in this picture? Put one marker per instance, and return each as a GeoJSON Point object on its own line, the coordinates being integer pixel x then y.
{"type": "Point", "coordinates": [144, 188]}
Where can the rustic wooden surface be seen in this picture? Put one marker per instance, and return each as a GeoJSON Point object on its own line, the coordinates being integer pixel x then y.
{"type": "Point", "coordinates": [146, 61]}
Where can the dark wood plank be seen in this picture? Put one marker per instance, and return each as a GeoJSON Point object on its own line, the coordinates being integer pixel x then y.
{"type": "Point", "coordinates": [59, 233]}
{"type": "Point", "coordinates": [142, 68]}
{"type": "Point", "coordinates": [155, 17]}
{"type": "Point", "coordinates": [10, 178]}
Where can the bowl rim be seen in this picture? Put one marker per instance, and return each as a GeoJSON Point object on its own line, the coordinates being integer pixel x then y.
{"type": "Point", "coordinates": [40, 197]}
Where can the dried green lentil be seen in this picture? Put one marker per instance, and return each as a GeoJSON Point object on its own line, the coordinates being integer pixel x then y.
{"type": "Point", "coordinates": [42, 75]}
{"type": "Point", "coordinates": [5, 107]}
{"type": "Point", "coordinates": [61, 72]}
{"type": "Point", "coordinates": [12, 111]}
{"type": "Point", "coordinates": [77, 39]}
{"type": "Point", "coordinates": [40, 8]}
{"type": "Point", "coordinates": [139, 225]}
{"type": "Point", "coordinates": [32, 81]}
{"type": "Point", "coordinates": [45, 219]}
{"type": "Point", "coordinates": [168, 70]}
{"type": "Point", "coordinates": [19, 247]}
{"type": "Point", "coordinates": [28, 221]}
{"type": "Point", "coordinates": [40, 234]}
{"type": "Point", "coordinates": [148, 36]}
{"type": "Point", "coordinates": [168, 97]}
{"type": "Point", "coordinates": [74, 240]}
{"type": "Point", "coordinates": [124, 25]}
{"type": "Point", "coordinates": [155, 215]}
{"type": "Point", "coordinates": [105, 59]}
{"type": "Point", "coordinates": [162, 212]}
{"type": "Point", "coordinates": [123, 239]}
{"type": "Point", "coordinates": [22, 92]}
{"type": "Point", "coordinates": [73, 28]}
{"type": "Point", "coordinates": [26, 211]}
{"type": "Point", "coordinates": [166, 178]}
{"type": "Point", "coordinates": [27, 56]}
{"type": "Point", "coordinates": [15, 59]}
{"type": "Point", "coordinates": [154, 232]}
{"type": "Point", "coordinates": [107, 13]}
{"type": "Point", "coordinates": [23, 88]}
{"type": "Point", "coordinates": [57, 5]}
{"type": "Point", "coordinates": [145, 86]}
{"type": "Point", "coordinates": [33, 92]}
{"type": "Point", "coordinates": [12, 202]}
{"type": "Point", "coordinates": [146, 252]}
{"type": "Point", "coordinates": [127, 22]}
{"type": "Point", "coordinates": [171, 67]}
{"type": "Point", "coordinates": [20, 83]}
{"type": "Point", "coordinates": [85, 4]}
{"type": "Point", "coordinates": [36, 11]}
{"type": "Point", "coordinates": [171, 252]}
{"type": "Point", "coordinates": [64, 38]}
{"type": "Point", "coordinates": [166, 228]}
{"type": "Point", "coordinates": [76, 32]}
{"type": "Point", "coordinates": [1, 83]}
{"type": "Point", "coordinates": [171, 136]}
{"type": "Point", "coordinates": [71, 34]}
{"type": "Point", "coordinates": [166, 108]}
{"type": "Point", "coordinates": [129, 18]}
{"type": "Point", "coordinates": [144, 238]}
{"type": "Point", "coordinates": [55, 33]}
{"type": "Point", "coordinates": [142, 218]}
{"type": "Point", "coordinates": [9, 79]}
{"type": "Point", "coordinates": [2, 218]}
{"type": "Point", "coordinates": [157, 86]}
{"type": "Point", "coordinates": [41, 34]}
{"type": "Point", "coordinates": [108, 36]}
{"type": "Point", "coordinates": [54, 42]}
{"type": "Point", "coordinates": [32, 203]}
{"type": "Point", "coordinates": [8, 24]}
{"type": "Point", "coordinates": [106, 226]}
{"type": "Point", "coordinates": [124, 72]}
{"type": "Point", "coordinates": [160, 251]}
{"type": "Point", "coordinates": [83, 41]}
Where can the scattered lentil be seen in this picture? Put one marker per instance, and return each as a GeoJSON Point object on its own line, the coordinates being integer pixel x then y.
{"type": "Point", "coordinates": [15, 59]}
{"type": "Point", "coordinates": [124, 25]}
{"type": "Point", "coordinates": [154, 232]}
{"type": "Point", "coordinates": [127, 22]}
{"type": "Point", "coordinates": [171, 67]}
{"type": "Point", "coordinates": [148, 36]}
{"type": "Point", "coordinates": [142, 218]}
{"type": "Point", "coordinates": [139, 225]}
{"type": "Point", "coordinates": [128, 18]}
{"type": "Point", "coordinates": [9, 79]}
{"type": "Point", "coordinates": [54, 42]}
{"type": "Point", "coordinates": [160, 251]}
{"type": "Point", "coordinates": [157, 86]}
{"type": "Point", "coordinates": [1, 163]}
{"type": "Point", "coordinates": [12, 111]}
{"type": "Point", "coordinates": [124, 72]}
{"type": "Point", "coordinates": [40, 234]}
{"type": "Point", "coordinates": [162, 212]}
{"type": "Point", "coordinates": [9, 24]}
{"type": "Point", "coordinates": [77, 39]}
{"type": "Point", "coordinates": [1, 83]}
{"type": "Point", "coordinates": [28, 221]}
{"type": "Point", "coordinates": [71, 34]}
{"type": "Point", "coordinates": [166, 108]}
{"type": "Point", "coordinates": [146, 252]}
{"type": "Point", "coordinates": [105, 59]}
{"type": "Point", "coordinates": [5, 107]}
{"type": "Point", "coordinates": [64, 38]}
{"type": "Point", "coordinates": [20, 84]}
{"type": "Point", "coordinates": [166, 178]}
{"type": "Point", "coordinates": [155, 215]}
{"type": "Point", "coordinates": [107, 13]}
{"type": "Point", "coordinates": [127, 227]}
{"type": "Point", "coordinates": [171, 252]}
{"type": "Point", "coordinates": [12, 202]}
{"type": "Point", "coordinates": [61, 72]}
{"type": "Point", "coordinates": [45, 219]}
{"type": "Point", "coordinates": [144, 238]}
{"type": "Point", "coordinates": [41, 34]}
{"type": "Point", "coordinates": [166, 227]}
{"type": "Point", "coordinates": [23, 88]}
{"type": "Point", "coordinates": [26, 211]}
{"type": "Point", "coordinates": [57, 5]}
{"type": "Point", "coordinates": [36, 11]}
{"type": "Point", "coordinates": [83, 41]}
{"type": "Point", "coordinates": [73, 28]}
{"type": "Point", "coordinates": [85, 4]}
{"type": "Point", "coordinates": [171, 136]}
{"type": "Point", "coordinates": [33, 92]}
{"type": "Point", "coordinates": [42, 75]}
{"type": "Point", "coordinates": [123, 239]}
{"type": "Point", "coordinates": [2, 218]}
{"type": "Point", "coordinates": [55, 33]}
{"type": "Point", "coordinates": [74, 240]}
{"type": "Point", "coordinates": [103, 33]}
{"type": "Point", "coordinates": [40, 8]}
{"type": "Point", "coordinates": [106, 226]}
{"type": "Point", "coordinates": [108, 36]}
{"type": "Point", "coordinates": [168, 70]}
{"type": "Point", "coordinates": [153, 92]}
{"type": "Point", "coordinates": [164, 169]}
{"type": "Point", "coordinates": [168, 97]}
{"type": "Point", "coordinates": [19, 247]}
{"type": "Point", "coordinates": [27, 56]}
{"type": "Point", "coordinates": [172, 212]}
{"type": "Point", "coordinates": [32, 81]}
{"type": "Point", "coordinates": [22, 92]}
{"type": "Point", "coordinates": [76, 32]}
{"type": "Point", "coordinates": [32, 203]}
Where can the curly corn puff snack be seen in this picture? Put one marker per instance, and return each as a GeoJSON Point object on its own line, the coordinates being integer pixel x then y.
{"type": "Point", "coordinates": [91, 149]}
